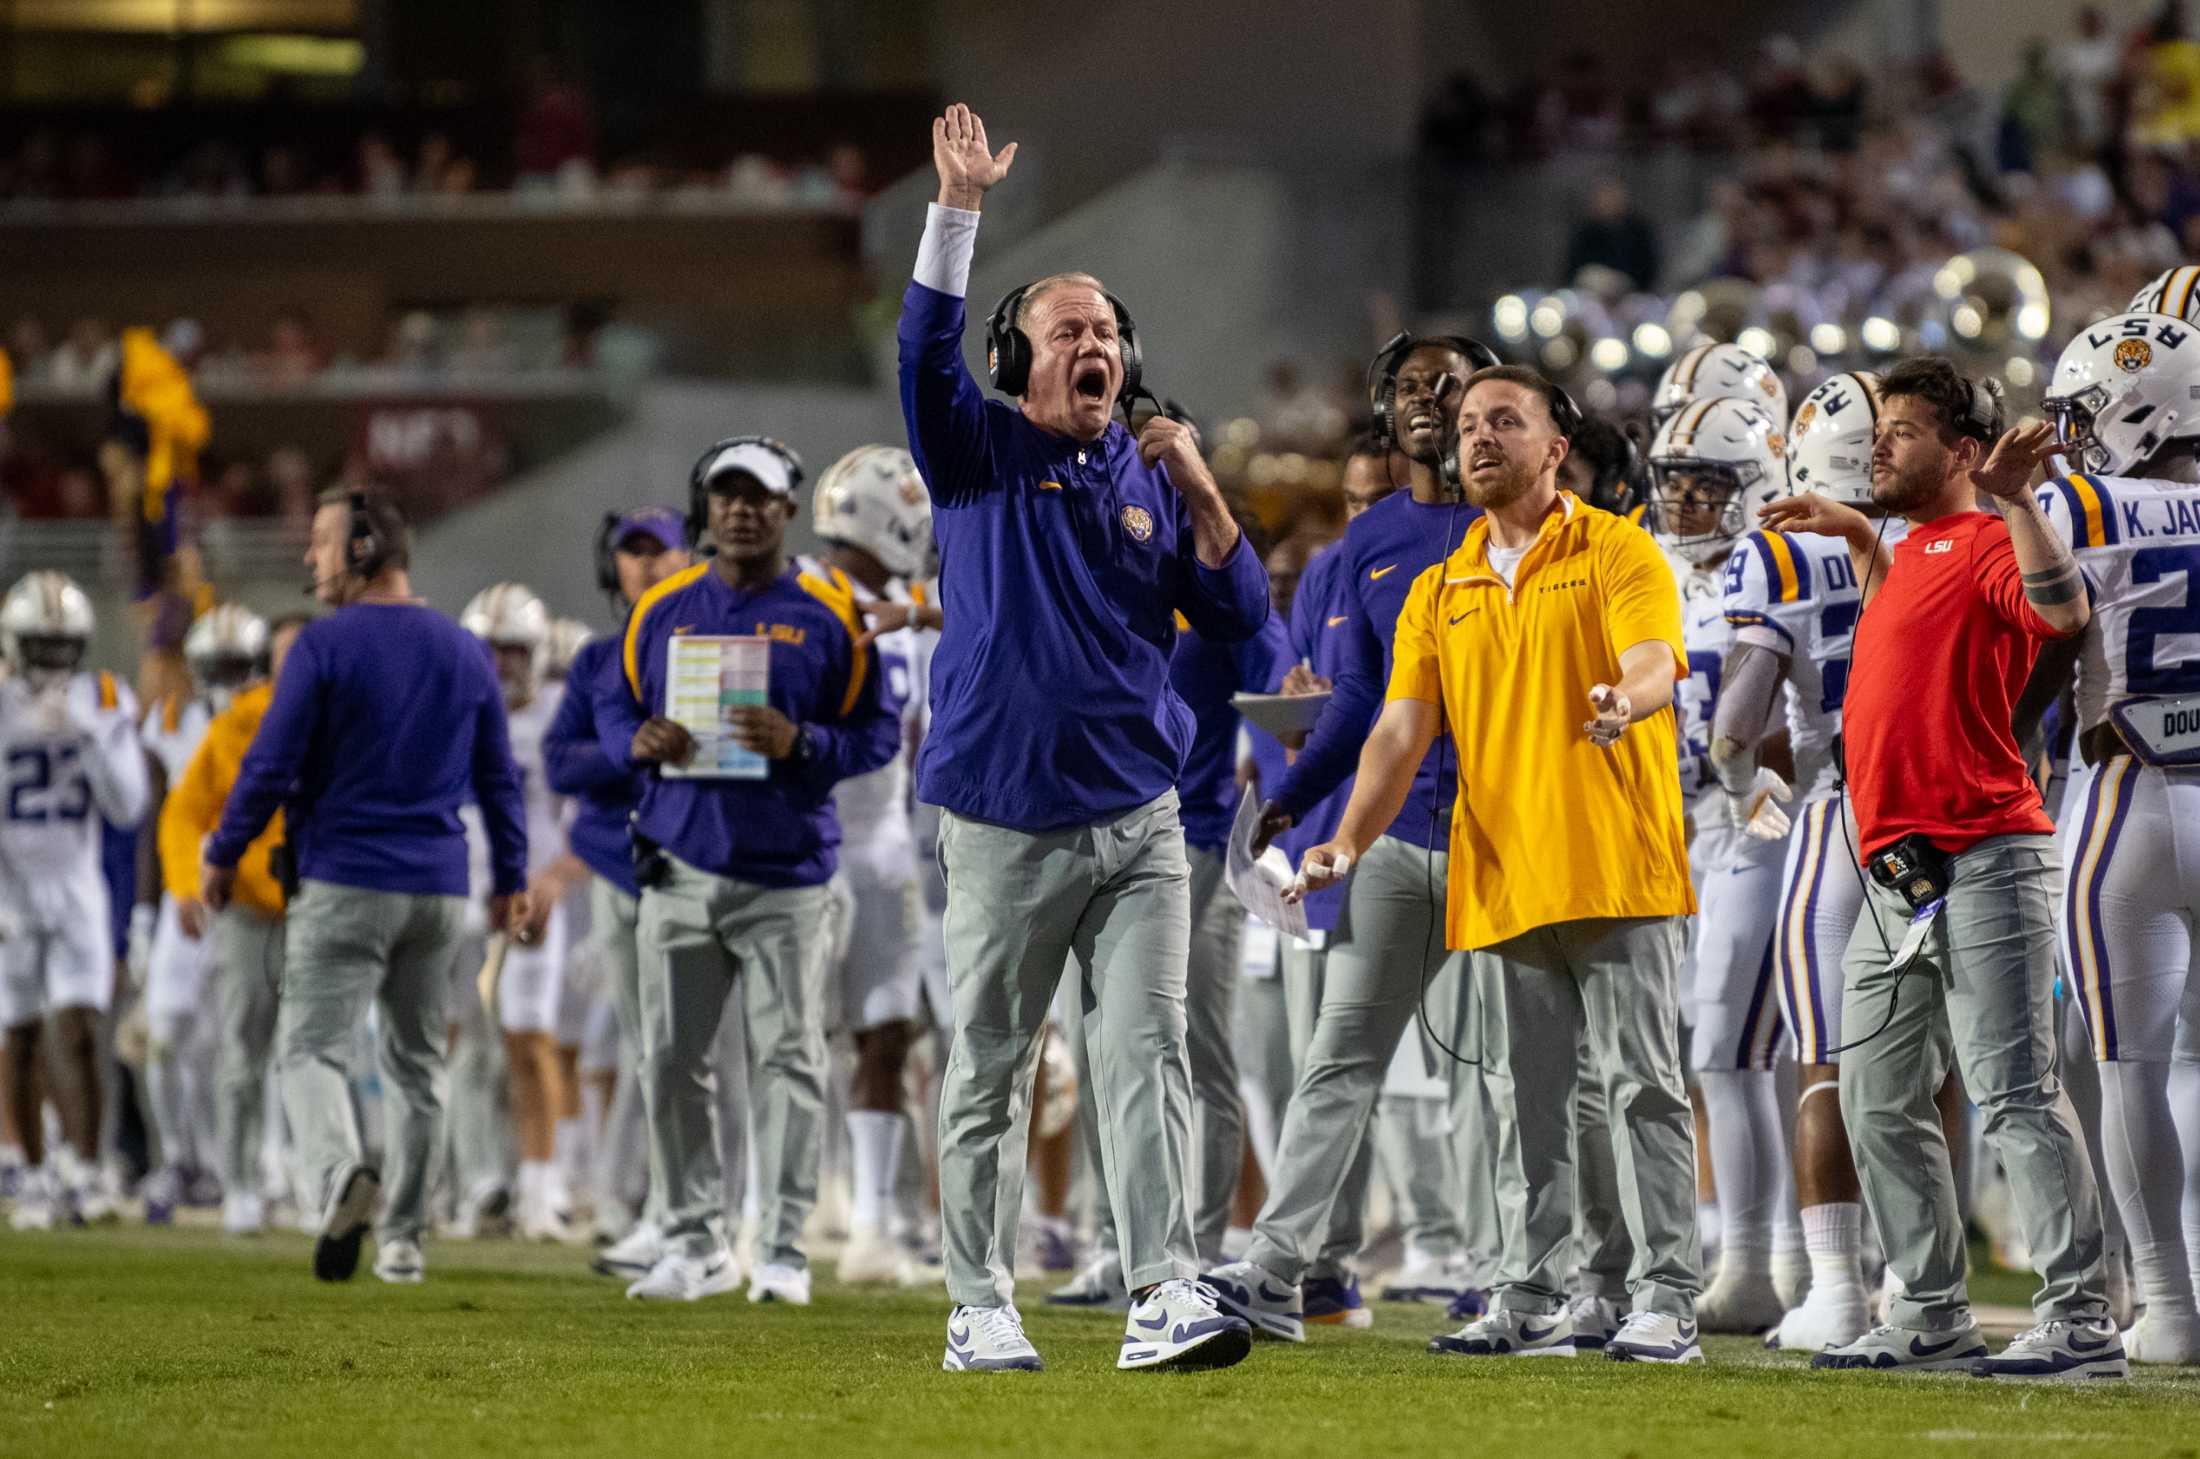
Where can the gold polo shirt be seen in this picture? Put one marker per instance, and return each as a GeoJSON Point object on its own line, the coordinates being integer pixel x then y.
{"type": "Point", "coordinates": [1548, 827]}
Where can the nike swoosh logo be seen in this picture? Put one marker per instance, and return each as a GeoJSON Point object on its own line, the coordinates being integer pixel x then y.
{"type": "Point", "coordinates": [1533, 1334]}
{"type": "Point", "coordinates": [1269, 1296]}
{"type": "Point", "coordinates": [1154, 1326]}
{"type": "Point", "coordinates": [2080, 1345]}
{"type": "Point", "coordinates": [1332, 623]}
{"type": "Point", "coordinates": [957, 1339]}
{"type": "Point", "coordinates": [1050, 486]}
{"type": "Point", "coordinates": [1688, 1332]}
{"type": "Point", "coordinates": [1378, 572]}
{"type": "Point", "coordinates": [1919, 1348]}
{"type": "Point", "coordinates": [1458, 618]}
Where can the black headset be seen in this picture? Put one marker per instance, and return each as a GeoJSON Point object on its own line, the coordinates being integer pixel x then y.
{"type": "Point", "coordinates": [1981, 417]}
{"type": "Point", "coordinates": [1382, 372]}
{"type": "Point", "coordinates": [607, 565]}
{"type": "Point", "coordinates": [364, 550]}
{"type": "Point", "coordinates": [698, 522]}
{"type": "Point", "coordinates": [1008, 348]}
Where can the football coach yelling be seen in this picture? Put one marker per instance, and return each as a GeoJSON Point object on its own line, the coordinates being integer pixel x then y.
{"type": "Point", "coordinates": [1067, 547]}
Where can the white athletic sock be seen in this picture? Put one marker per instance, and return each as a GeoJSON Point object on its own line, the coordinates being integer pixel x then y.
{"type": "Point", "coordinates": [1707, 1224]}
{"type": "Point", "coordinates": [874, 1143]}
{"type": "Point", "coordinates": [1741, 1107]}
{"type": "Point", "coordinates": [570, 1140]}
{"type": "Point", "coordinates": [2184, 1095]}
{"type": "Point", "coordinates": [1833, 1234]}
{"type": "Point", "coordinates": [2145, 1170]}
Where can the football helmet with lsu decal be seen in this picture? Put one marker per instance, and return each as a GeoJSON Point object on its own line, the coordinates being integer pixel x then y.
{"type": "Point", "coordinates": [874, 499]}
{"type": "Point", "coordinates": [1718, 369]}
{"type": "Point", "coordinates": [2125, 388]}
{"type": "Point", "coordinates": [2172, 291]}
{"type": "Point", "coordinates": [1711, 467]}
{"type": "Point", "coordinates": [1829, 443]}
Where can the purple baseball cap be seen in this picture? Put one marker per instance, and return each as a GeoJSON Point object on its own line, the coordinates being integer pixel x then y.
{"type": "Point", "coordinates": [667, 526]}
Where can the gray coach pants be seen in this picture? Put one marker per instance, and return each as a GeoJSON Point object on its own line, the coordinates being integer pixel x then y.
{"type": "Point", "coordinates": [1116, 898]}
{"type": "Point", "coordinates": [1218, 1110]}
{"type": "Point", "coordinates": [345, 946]}
{"type": "Point", "coordinates": [700, 938]}
{"type": "Point", "coordinates": [1371, 984]}
{"type": "Point", "coordinates": [614, 920]}
{"type": "Point", "coordinates": [1305, 975]}
{"type": "Point", "coordinates": [1615, 980]}
{"type": "Point", "coordinates": [248, 959]}
{"type": "Point", "coordinates": [1981, 994]}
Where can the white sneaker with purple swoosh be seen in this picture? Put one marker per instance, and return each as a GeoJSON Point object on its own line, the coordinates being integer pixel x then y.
{"type": "Point", "coordinates": [1182, 1324]}
{"type": "Point", "coordinates": [1266, 1301]}
{"type": "Point", "coordinates": [1509, 1334]}
{"type": "Point", "coordinates": [1913, 1349]}
{"type": "Point", "coordinates": [989, 1340]}
{"type": "Point", "coordinates": [1655, 1337]}
{"type": "Point", "coordinates": [2064, 1350]}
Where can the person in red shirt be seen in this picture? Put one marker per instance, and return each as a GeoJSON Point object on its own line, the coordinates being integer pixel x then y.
{"type": "Point", "coordinates": [1964, 878]}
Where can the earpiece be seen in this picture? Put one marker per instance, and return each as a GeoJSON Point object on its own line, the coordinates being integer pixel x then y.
{"type": "Point", "coordinates": [607, 564]}
{"type": "Point", "coordinates": [364, 549]}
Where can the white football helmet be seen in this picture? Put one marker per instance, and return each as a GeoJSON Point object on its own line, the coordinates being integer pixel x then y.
{"type": "Point", "coordinates": [2172, 291]}
{"type": "Point", "coordinates": [874, 499]}
{"type": "Point", "coordinates": [509, 615]}
{"type": "Point", "coordinates": [1718, 369]}
{"type": "Point", "coordinates": [566, 637]}
{"type": "Point", "coordinates": [1711, 467]}
{"type": "Point", "coordinates": [46, 626]}
{"type": "Point", "coordinates": [225, 649]}
{"type": "Point", "coordinates": [2124, 388]}
{"type": "Point", "coordinates": [1829, 444]}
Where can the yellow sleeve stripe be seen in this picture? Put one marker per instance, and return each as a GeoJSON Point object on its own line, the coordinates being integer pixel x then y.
{"type": "Point", "coordinates": [2094, 509]}
{"type": "Point", "coordinates": [108, 695]}
{"type": "Point", "coordinates": [650, 600]}
{"type": "Point", "coordinates": [841, 598]}
{"type": "Point", "coordinates": [1783, 562]}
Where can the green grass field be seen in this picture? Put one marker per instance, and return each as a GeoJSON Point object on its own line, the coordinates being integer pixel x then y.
{"type": "Point", "coordinates": [126, 1341]}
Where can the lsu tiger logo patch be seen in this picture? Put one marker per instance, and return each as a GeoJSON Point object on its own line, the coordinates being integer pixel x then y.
{"type": "Point", "coordinates": [1139, 523]}
{"type": "Point", "coordinates": [2133, 355]}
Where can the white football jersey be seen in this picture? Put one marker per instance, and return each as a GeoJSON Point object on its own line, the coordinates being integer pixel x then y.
{"type": "Point", "coordinates": [2138, 542]}
{"type": "Point", "coordinates": [1705, 634]}
{"type": "Point", "coordinates": [56, 785]}
{"type": "Point", "coordinates": [173, 727]}
{"type": "Point", "coordinates": [1796, 594]}
{"type": "Point", "coordinates": [544, 807]}
{"type": "Point", "coordinates": [874, 807]}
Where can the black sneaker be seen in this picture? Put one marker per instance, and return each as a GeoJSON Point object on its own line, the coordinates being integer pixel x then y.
{"type": "Point", "coordinates": [336, 1253]}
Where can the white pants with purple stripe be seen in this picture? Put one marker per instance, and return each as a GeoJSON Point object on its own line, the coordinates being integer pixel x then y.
{"type": "Point", "coordinates": [2131, 899]}
{"type": "Point", "coordinates": [1737, 1016]}
{"type": "Point", "coordinates": [1821, 896]}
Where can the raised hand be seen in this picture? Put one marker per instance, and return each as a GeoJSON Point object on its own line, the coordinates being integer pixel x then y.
{"type": "Point", "coordinates": [2007, 473]}
{"type": "Point", "coordinates": [967, 164]}
{"type": "Point", "coordinates": [1613, 711]}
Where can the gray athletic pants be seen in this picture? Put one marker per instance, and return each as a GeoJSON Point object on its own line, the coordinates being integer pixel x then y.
{"type": "Point", "coordinates": [614, 918]}
{"type": "Point", "coordinates": [1115, 899]}
{"type": "Point", "coordinates": [1981, 994]}
{"type": "Point", "coordinates": [1218, 1110]}
{"type": "Point", "coordinates": [702, 937]}
{"type": "Point", "coordinates": [1617, 981]}
{"type": "Point", "coordinates": [1372, 976]}
{"type": "Point", "coordinates": [477, 1113]}
{"type": "Point", "coordinates": [343, 947]}
{"type": "Point", "coordinates": [1305, 976]}
{"type": "Point", "coordinates": [248, 961]}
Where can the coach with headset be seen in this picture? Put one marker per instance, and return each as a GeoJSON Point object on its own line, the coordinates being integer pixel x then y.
{"type": "Point", "coordinates": [1067, 547]}
{"type": "Point", "coordinates": [387, 718]}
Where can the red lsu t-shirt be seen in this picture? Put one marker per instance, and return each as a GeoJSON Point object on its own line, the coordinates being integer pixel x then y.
{"type": "Point", "coordinates": [1941, 654]}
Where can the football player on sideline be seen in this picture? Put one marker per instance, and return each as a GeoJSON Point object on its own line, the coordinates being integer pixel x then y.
{"type": "Point", "coordinates": [70, 755]}
{"type": "Point", "coordinates": [513, 622]}
{"type": "Point", "coordinates": [1712, 465]}
{"type": "Point", "coordinates": [2123, 401]}
{"type": "Point", "coordinates": [876, 522]}
{"type": "Point", "coordinates": [225, 651]}
{"type": "Point", "coordinates": [1792, 601]}
{"type": "Point", "coordinates": [1712, 370]}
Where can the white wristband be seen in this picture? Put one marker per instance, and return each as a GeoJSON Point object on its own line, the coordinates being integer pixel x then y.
{"type": "Point", "coordinates": [943, 257]}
